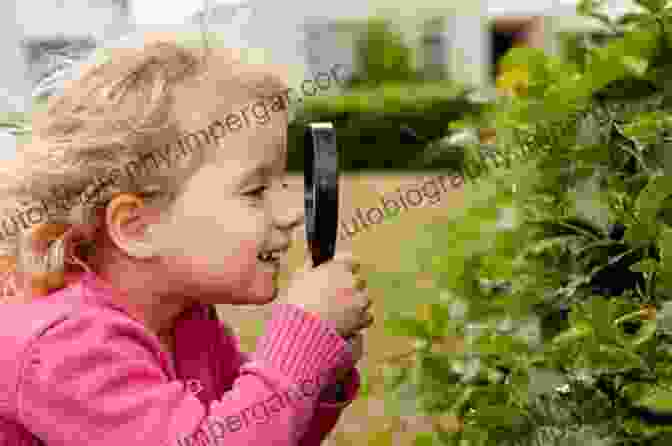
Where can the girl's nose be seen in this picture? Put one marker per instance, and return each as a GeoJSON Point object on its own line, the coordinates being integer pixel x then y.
{"type": "Point", "coordinates": [291, 217]}
{"type": "Point", "coordinates": [289, 211]}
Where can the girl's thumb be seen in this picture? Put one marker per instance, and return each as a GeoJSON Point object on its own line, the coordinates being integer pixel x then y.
{"type": "Point", "coordinates": [341, 257]}
{"type": "Point", "coordinates": [307, 265]}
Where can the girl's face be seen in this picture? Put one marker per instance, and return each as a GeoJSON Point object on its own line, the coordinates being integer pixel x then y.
{"type": "Point", "coordinates": [233, 219]}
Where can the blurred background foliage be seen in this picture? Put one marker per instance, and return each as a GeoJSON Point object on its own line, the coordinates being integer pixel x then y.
{"type": "Point", "coordinates": [549, 319]}
{"type": "Point", "coordinates": [381, 100]}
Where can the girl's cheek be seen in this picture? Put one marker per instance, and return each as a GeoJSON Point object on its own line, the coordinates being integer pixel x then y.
{"type": "Point", "coordinates": [238, 264]}
{"type": "Point", "coordinates": [211, 238]}
{"type": "Point", "coordinates": [235, 276]}
{"type": "Point", "coordinates": [212, 247]}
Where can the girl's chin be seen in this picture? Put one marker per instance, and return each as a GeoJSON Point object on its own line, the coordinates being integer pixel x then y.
{"type": "Point", "coordinates": [257, 298]}
{"type": "Point", "coordinates": [263, 290]}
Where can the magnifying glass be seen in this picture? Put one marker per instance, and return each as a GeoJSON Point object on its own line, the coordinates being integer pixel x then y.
{"type": "Point", "coordinates": [321, 190]}
{"type": "Point", "coordinates": [321, 187]}
{"type": "Point", "coordinates": [321, 197]}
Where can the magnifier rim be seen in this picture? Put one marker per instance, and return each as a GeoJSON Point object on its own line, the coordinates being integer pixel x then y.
{"type": "Point", "coordinates": [309, 184]}
{"type": "Point", "coordinates": [314, 187]}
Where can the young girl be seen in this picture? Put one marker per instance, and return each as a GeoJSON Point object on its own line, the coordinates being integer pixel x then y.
{"type": "Point", "coordinates": [151, 189]}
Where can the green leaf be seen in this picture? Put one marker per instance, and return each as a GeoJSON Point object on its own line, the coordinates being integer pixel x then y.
{"type": "Point", "coordinates": [601, 313]}
{"type": "Point", "coordinates": [498, 416]}
{"type": "Point", "coordinates": [647, 266]}
{"type": "Point", "coordinates": [573, 334]}
{"type": "Point", "coordinates": [657, 398]}
{"type": "Point", "coordinates": [394, 376]}
{"type": "Point", "coordinates": [533, 59]}
{"type": "Point", "coordinates": [612, 359]}
{"type": "Point", "coordinates": [400, 325]}
{"type": "Point", "coordinates": [648, 204]}
{"type": "Point", "coordinates": [652, 5]}
{"type": "Point", "coordinates": [545, 381]}
{"type": "Point", "coordinates": [586, 7]}
{"type": "Point", "coordinates": [635, 391]}
{"type": "Point", "coordinates": [645, 333]}
{"type": "Point", "coordinates": [425, 439]}
{"type": "Point", "coordinates": [365, 386]}
{"type": "Point", "coordinates": [440, 317]}
{"type": "Point", "coordinates": [646, 126]}
{"type": "Point", "coordinates": [616, 60]}
{"type": "Point", "coordinates": [665, 246]}
{"type": "Point", "coordinates": [630, 17]}
{"type": "Point", "coordinates": [664, 317]}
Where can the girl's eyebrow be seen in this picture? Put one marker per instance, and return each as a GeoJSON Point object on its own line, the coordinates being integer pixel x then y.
{"type": "Point", "coordinates": [263, 171]}
{"type": "Point", "coordinates": [258, 173]}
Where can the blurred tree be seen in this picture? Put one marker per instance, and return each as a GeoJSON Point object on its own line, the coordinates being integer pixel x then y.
{"type": "Point", "coordinates": [381, 55]}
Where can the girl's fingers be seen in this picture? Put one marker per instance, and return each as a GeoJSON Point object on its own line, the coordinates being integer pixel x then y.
{"type": "Point", "coordinates": [307, 265]}
{"type": "Point", "coordinates": [366, 321]}
{"type": "Point", "coordinates": [356, 341]}
{"type": "Point", "coordinates": [347, 258]}
{"type": "Point", "coordinates": [367, 304]}
{"type": "Point", "coordinates": [360, 283]}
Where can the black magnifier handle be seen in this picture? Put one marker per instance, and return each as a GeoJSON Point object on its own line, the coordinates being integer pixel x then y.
{"type": "Point", "coordinates": [321, 177]}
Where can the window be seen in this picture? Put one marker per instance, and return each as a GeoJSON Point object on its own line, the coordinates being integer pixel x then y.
{"type": "Point", "coordinates": [434, 47]}
{"type": "Point", "coordinates": [509, 32]}
{"type": "Point", "coordinates": [327, 44]}
{"type": "Point", "coordinates": [43, 56]}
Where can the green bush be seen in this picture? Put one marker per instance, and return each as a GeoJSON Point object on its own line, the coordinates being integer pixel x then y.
{"type": "Point", "coordinates": [556, 273]}
{"type": "Point", "coordinates": [368, 122]}
{"type": "Point", "coordinates": [384, 95]}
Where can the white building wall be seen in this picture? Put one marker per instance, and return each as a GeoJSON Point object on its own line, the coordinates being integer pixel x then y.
{"type": "Point", "coordinates": [13, 83]}
{"type": "Point", "coordinates": [296, 32]}
{"type": "Point", "coordinates": [73, 18]}
{"type": "Point", "coordinates": [24, 21]}
{"type": "Point", "coordinates": [468, 48]}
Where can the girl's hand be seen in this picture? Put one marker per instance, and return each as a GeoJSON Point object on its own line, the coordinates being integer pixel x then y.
{"type": "Point", "coordinates": [356, 343]}
{"type": "Point", "coordinates": [333, 292]}
{"type": "Point", "coordinates": [335, 392]}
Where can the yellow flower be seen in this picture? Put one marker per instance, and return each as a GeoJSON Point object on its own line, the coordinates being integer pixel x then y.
{"type": "Point", "coordinates": [448, 345]}
{"type": "Point", "coordinates": [648, 312]}
{"type": "Point", "coordinates": [513, 82]}
{"type": "Point", "coordinates": [487, 135]}
{"type": "Point", "coordinates": [448, 423]}
{"type": "Point", "coordinates": [423, 312]}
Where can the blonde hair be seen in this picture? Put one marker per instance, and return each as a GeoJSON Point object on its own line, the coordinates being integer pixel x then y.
{"type": "Point", "coordinates": [114, 108]}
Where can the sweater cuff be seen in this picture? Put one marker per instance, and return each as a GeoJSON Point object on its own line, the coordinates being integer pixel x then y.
{"type": "Point", "coordinates": [350, 385]}
{"type": "Point", "coordinates": [300, 345]}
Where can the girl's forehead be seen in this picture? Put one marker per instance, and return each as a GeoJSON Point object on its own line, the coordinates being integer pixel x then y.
{"type": "Point", "coordinates": [261, 148]}
{"type": "Point", "coordinates": [241, 128]}
{"type": "Point", "coordinates": [249, 148]}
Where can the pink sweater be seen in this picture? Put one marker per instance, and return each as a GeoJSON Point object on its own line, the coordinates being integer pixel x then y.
{"type": "Point", "coordinates": [77, 370]}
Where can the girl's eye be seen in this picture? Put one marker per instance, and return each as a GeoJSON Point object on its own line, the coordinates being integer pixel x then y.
{"type": "Point", "coordinates": [258, 192]}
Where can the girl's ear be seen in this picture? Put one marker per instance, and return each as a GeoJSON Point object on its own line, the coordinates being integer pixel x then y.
{"type": "Point", "coordinates": [127, 227]}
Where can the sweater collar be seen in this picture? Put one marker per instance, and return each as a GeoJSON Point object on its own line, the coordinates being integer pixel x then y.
{"type": "Point", "coordinates": [99, 291]}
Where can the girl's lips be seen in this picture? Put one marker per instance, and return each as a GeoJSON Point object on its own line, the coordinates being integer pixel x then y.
{"type": "Point", "coordinates": [274, 264]}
